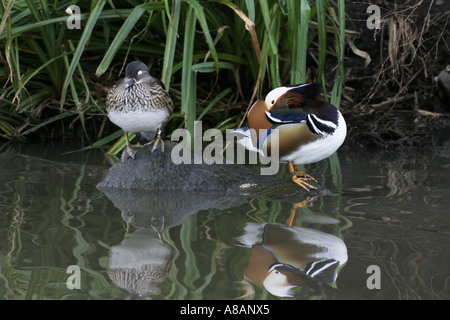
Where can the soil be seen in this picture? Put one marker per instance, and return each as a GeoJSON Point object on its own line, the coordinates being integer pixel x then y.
{"type": "Point", "coordinates": [393, 103]}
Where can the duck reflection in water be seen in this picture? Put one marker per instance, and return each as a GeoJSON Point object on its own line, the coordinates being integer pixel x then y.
{"type": "Point", "coordinates": [283, 258]}
{"type": "Point", "coordinates": [140, 263]}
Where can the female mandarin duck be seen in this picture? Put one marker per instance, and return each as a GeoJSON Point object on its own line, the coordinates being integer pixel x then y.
{"type": "Point", "coordinates": [309, 128]}
{"type": "Point", "coordinates": [139, 103]}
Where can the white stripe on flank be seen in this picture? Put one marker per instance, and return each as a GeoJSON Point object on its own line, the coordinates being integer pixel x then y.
{"type": "Point", "coordinates": [330, 124]}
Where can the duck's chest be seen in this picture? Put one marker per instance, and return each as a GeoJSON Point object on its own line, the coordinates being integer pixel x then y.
{"type": "Point", "coordinates": [139, 120]}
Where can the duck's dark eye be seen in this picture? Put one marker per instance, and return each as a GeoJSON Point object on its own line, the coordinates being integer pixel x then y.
{"type": "Point", "coordinates": [272, 102]}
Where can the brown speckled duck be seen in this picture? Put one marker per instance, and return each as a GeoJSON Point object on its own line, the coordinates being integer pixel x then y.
{"type": "Point", "coordinates": [139, 103]}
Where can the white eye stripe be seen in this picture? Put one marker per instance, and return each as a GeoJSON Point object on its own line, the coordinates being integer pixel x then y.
{"type": "Point", "coordinates": [273, 95]}
{"type": "Point", "coordinates": [276, 93]}
{"type": "Point", "coordinates": [140, 72]}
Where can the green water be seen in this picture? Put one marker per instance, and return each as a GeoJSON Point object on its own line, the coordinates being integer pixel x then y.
{"type": "Point", "coordinates": [386, 213]}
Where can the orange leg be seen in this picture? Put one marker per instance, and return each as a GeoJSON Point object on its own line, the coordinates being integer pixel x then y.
{"type": "Point", "coordinates": [302, 174]}
{"type": "Point", "coordinates": [292, 217]}
{"type": "Point", "coordinates": [305, 203]}
{"type": "Point", "coordinates": [303, 180]}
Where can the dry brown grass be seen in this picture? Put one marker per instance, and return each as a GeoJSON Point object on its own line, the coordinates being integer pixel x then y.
{"type": "Point", "coordinates": [409, 45]}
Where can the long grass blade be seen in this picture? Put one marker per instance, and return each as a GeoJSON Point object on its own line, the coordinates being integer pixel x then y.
{"type": "Point", "coordinates": [339, 47]}
{"type": "Point", "coordinates": [322, 39]}
{"type": "Point", "coordinates": [5, 15]}
{"type": "Point", "coordinates": [172, 34]}
{"type": "Point", "coordinates": [23, 29]}
{"type": "Point", "coordinates": [90, 24]}
{"type": "Point", "coordinates": [124, 31]}
{"type": "Point", "coordinates": [298, 71]}
{"type": "Point", "coordinates": [200, 15]}
{"type": "Point", "coordinates": [117, 147]}
{"type": "Point", "coordinates": [216, 99]}
{"type": "Point", "coordinates": [187, 99]}
{"type": "Point", "coordinates": [275, 56]}
{"type": "Point", "coordinates": [265, 11]}
{"type": "Point", "coordinates": [75, 94]}
{"type": "Point", "coordinates": [208, 67]}
{"type": "Point", "coordinates": [48, 121]}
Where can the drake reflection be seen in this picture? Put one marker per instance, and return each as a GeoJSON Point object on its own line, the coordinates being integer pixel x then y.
{"type": "Point", "coordinates": [283, 258]}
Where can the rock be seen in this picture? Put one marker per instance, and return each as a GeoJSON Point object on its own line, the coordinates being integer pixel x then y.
{"type": "Point", "coordinates": [191, 186]}
{"type": "Point", "coordinates": [156, 171]}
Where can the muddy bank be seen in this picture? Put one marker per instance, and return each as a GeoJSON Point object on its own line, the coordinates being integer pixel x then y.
{"type": "Point", "coordinates": [398, 101]}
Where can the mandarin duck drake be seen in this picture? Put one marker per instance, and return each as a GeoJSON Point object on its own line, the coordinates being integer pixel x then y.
{"type": "Point", "coordinates": [309, 128]}
{"type": "Point", "coordinates": [139, 103]}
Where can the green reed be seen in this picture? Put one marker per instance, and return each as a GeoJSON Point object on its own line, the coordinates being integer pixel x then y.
{"type": "Point", "coordinates": [235, 50]}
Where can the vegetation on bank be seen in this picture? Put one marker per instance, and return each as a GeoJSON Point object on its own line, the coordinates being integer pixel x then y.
{"type": "Point", "coordinates": [215, 57]}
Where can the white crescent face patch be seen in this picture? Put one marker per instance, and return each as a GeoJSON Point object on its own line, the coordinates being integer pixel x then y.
{"type": "Point", "coordinates": [273, 95]}
{"type": "Point", "coordinates": [276, 93]}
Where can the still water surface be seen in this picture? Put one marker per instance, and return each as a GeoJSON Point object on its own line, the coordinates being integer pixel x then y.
{"type": "Point", "coordinates": [383, 233]}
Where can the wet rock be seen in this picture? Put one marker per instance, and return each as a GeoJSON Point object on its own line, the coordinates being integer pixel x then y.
{"type": "Point", "coordinates": [156, 172]}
